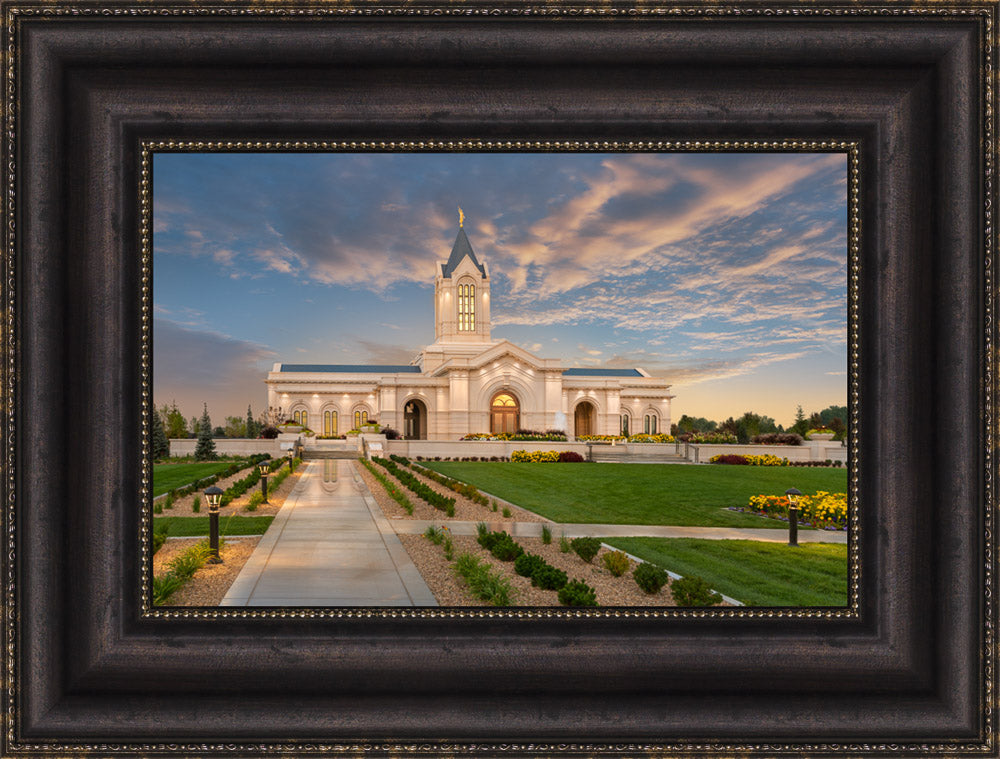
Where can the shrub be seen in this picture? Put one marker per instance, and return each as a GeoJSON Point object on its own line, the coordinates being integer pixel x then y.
{"type": "Point", "coordinates": [449, 548]}
{"type": "Point", "coordinates": [501, 545]}
{"type": "Point", "coordinates": [549, 578]}
{"type": "Point", "coordinates": [390, 433]}
{"type": "Point", "coordinates": [484, 583]}
{"type": "Point", "coordinates": [505, 513]}
{"type": "Point", "coordinates": [528, 563]}
{"type": "Point", "coordinates": [397, 495]}
{"type": "Point", "coordinates": [546, 534]}
{"type": "Point", "coordinates": [777, 438]}
{"type": "Point", "coordinates": [196, 504]}
{"type": "Point", "coordinates": [256, 499]}
{"type": "Point", "coordinates": [573, 456]}
{"type": "Point", "coordinates": [729, 458]}
{"type": "Point", "coordinates": [157, 508]}
{"type": "Point", "coordinates": [159, 536]}
{"type": "Point", "coordinates": [495, 505]}
{"type": "Point", "coordinates": [694, 591]}
{"type": "Point", "coordinates": [168, 502]}
{"type": "Point", "coordinates": [564, 544]}
{"type": "Point", "coordinates": [647, 438]}
{"type": "Point", "coordinates": [434, 534]}
{"type": "Point", "coordinates": [586, 548]}
{"type": "Point", "coordinates": [616, 562]}
{"type": "Point", "coordinates": [534, 456]}
{"type": "Point", "coordinates": [482, 530]}
{"type": "Point", "coordinates": [577, 593]}
{"type": "Point", "coordinates": [650, 577]}
{"type": "Point", "coordinates": [427, 493]}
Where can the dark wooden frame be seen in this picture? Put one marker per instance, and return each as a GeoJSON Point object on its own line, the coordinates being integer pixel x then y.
{"type": "Point", "coordinates": [912, 672]}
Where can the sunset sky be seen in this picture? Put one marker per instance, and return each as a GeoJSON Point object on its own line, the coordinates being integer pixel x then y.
{"type": "Point", "coordinates": [725, 273]}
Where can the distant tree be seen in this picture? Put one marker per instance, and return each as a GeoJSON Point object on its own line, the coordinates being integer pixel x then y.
{"type": "Point", "coordinates": [174, 425]}
{"type": "Point", "coordinates": [695, 424]}
{"type": "Point", "coordinates": [830, 413]}
{"type": "Point", "coordinates": [816, 421]}
{"type": "Point", "coordinates": [274, 416]}
{"type": "Point", "coordinates": [194, 427]}
{"type": "Point", "coordinates": [219, 432]}
{"type": "Point", "coordinates": [801, 426]}
{"type": "Point", "coordinates": [838, 427]}
{"type": "Point", "coordinates": [252, 428]}
{"type": "Point", "coordinates": [750, 425]}
{"type": "Point", "coordinates": [206, 446]}
{"type": "Point", "coordinates": [161, 446]}
{"type": "Point", "coordinates": [730, 426]}
{"type": "Point", "coordinates": [235, 427]}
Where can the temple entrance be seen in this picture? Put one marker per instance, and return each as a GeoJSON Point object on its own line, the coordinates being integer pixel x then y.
{"type": "Point", "coordinates": [504, 414]}
{"type": "Point", "coordinates": [583, 419]}
{"type": "Point", "coordinates": [415, 420]}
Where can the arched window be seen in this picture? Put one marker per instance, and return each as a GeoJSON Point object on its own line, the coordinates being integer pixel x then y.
{"type": "Point", "coordinates": [649, 424]}
{"type": "Point", "coordinates": [625, 423]}
{"type": "Point", "coordinates": [329, 423]}
{"type": "Point", "coordinates": [466, 308]}
{"type": "Point", "coordinates": [301, 417]}
{"type": "Point", "coordinates": [360, 417]}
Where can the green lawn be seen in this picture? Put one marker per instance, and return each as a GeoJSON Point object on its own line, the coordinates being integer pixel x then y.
{"type": "Point", "coordinates": [667, 494]}
{"type": "Point", "coordinates": [755, 573]}
{"type": "Point", "coordinates": [183, 527]}
{"type": "Point", "coordinates": [166, 477]}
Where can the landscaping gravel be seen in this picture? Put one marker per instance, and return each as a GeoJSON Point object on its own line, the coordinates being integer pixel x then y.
{"type": "Point", "coordinates": [209, 585]}
{"type": "Point", "coordinates": [182, 506]}
{"type": "Point", "coordinates": [451, 591]}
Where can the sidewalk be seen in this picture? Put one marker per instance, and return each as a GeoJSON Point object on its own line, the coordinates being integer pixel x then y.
{"type": "Point", "coordinates": [329, 545]}
{"type": "Point", "coordinates": [534, 530]}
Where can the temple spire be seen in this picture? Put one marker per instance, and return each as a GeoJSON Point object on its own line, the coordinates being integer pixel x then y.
{"type": "Point", "coordinates": [461, 217]}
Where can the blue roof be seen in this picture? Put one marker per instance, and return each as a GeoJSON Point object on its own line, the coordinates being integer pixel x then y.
{"type": "Point", "coordinates": [602, 373]}
{"type": "Point", "coordinates": [459, 251]}
{"type": "Point", "coordinates": [352, 368]}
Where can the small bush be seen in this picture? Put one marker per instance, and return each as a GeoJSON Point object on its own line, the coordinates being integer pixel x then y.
{"type": "Point", "coordinates": [495, 505]}
{"type": "Point", "coordinates": [449, 548]}
{"type": "Point", "coordinates": [168, 502]}
{"type": "Point", "coordinates": [501, 545]}
{"type": "Point", "coordinates": [434, 534]}
{"type": "Point", "coordinates": [157, 508]}
{"type": "Point", "coordinates": [159, 536]}
{"type": "Point", "coordinates": [492, 587]}
{"type": "Point", "coordinates": [777, 438]}
{"type": "Point", "coordinates": [573, 456]}
{"type": "Point", "coordinates": [256, 499]}
{"type": "Point", "coordinates": [549, 578]}
{"type": "Point", "coordinates": [546, 534]}
{"type": "Point", "coordinates": [694, 591]}
{"type": "Point", "coordinates": [196, 504]}
{"type": "Point", "coordinates": [616, 562]}
{"type": "Point", "coordinates": [528, 563]}
{"type": "Point", "coordinates": [730, 458]}
{"type": "Point", "coordinates": [564, 545]}
{"type": "Point", "coordinates": [577, 593]}
{"type": "Point", "coordinates": [586, 548]}
{"type": "Point", "coordinates": [650, 577]}
{"type": "Point", "coordinates": [505, 513]}
{"type": "Point", "coordinates": [482, 529]}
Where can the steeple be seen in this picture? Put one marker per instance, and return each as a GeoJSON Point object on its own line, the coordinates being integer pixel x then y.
{"type": "Point", "coordinates": [462, 294]}
{"type": "Point", "coordinates": [460, 250]}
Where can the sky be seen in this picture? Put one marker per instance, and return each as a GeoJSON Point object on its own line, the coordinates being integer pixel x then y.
{"type": "Point", "coordinates": [725, 273]}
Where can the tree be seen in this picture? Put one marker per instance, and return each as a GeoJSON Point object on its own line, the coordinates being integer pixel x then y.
{"type": "Point", "coordinates": [695, 424]}
{"type": "Point", "coordinates": [206, 446]}
{"type": "Point", "coordinates": [274, 416]}
{"type": "Point", "coordinates": [219, 432]}
{"type": "Point", "coordinates": [161, 446]}
{"type": "Point", "coordinates": [235, 427]}
{"type": "Point", "coordinates": [252, 428]}
{"type": "Point", "coordinates": [194, 427]}
{"type": "Point", "coordinates": [801, 426]}
{"type": "Point", "coordinates": [173, 422]}
{"type": "Point", "coordinates": [750, 425]}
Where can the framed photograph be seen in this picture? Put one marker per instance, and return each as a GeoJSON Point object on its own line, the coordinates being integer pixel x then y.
{"type": "Point", "coordinates": [270, 206]}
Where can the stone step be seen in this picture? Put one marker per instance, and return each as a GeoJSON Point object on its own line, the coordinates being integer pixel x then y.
{"type": "Point", "coordinates": [624, 457]}
{"type": "Point", "coordinates": [313, 454]}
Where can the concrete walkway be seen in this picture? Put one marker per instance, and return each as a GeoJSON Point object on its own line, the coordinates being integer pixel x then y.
{"type": "Point", "coordinates": [534, 530]}
{"type": "Point", "coordinates": [329, 545]}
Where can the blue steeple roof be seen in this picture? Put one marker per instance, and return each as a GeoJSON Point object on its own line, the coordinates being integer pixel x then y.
{"type": "Point", "coordinates": [460, 250]}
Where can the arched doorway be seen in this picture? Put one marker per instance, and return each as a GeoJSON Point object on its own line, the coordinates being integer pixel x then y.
{"type": "Point", "coordinates": [583, 419]}
{"type": "Point", "coordinates": [415, 420]}
{"type": "Point", "coordinates": [504, 414]}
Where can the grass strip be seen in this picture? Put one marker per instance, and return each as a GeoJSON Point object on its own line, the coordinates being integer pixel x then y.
{"type": "Point", "coordinates": [666, 494]}
{"type": "Point", "coordinates": [167, 477]}
{"type": "Point", "coordinates": [753, 572]}
{"type": "Point", "coordinates": [191, 527]}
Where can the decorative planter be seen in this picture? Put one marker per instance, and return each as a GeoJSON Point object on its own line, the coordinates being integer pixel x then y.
{"type": "Point", "coordinates": [821, 436]}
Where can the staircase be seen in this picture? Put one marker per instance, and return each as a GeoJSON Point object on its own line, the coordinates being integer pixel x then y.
{"type": "Point", "coordinates": [609, 454]}
{"type": "Point", "coordinates": [315, 454]}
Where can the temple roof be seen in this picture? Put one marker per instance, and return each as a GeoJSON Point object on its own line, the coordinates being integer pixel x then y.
{"type": "Point", "coordinates": [602, 373]}
{"type": "Point", "coordinates": [460, 250]}
{"type": "Point", "coordinates": [352, 368]}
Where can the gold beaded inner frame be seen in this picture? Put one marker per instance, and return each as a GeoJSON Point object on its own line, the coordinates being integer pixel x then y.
{"type": "Point", "coordinates": [847, 147]}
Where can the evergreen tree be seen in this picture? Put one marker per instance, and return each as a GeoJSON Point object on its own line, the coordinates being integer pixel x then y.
{"type": "Point", "coordinates": [206, 446]}
{"type": "Point", "coordinates": [252, 429]}
{"type": "Point", "coordinates": [161, 446]}
{"type": "Point", "coordinates": [801, 426]}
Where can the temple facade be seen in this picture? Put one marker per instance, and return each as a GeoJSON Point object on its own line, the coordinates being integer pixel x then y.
{"type": "Point", "coordinates": [467, 382]}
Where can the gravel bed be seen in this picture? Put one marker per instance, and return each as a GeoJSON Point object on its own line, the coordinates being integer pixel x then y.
{"type": "Point", "coordinates": [465, 509]}
{"type": "Point", "coordinates": [451, 591]}
{"type": "Point", "coordinates": [182, 506]}
{"type": "Point", "coordinates": [209, 585]}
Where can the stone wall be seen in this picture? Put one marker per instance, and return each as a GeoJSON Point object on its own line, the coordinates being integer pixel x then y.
{"type": "Point", "coordinates": [227, 446]}
{"type": "Point", "coordinates": [811, 450]}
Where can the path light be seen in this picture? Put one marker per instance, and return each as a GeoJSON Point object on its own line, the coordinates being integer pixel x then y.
{"type": "Point", "coordinates": [291, 460]}
{"type": "Point", "coordinates": [792, 494]}
{"type": "Point", "coordinates": [265, 467]}
{"type": "Point", "coordinates": [213, 495]}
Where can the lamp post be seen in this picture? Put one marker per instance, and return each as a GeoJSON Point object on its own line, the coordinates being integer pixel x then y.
{"type": "Point", "coordinates": [213, 495]}
{"type": "Point", "coordinates": [291, 459]}
{"type": "Point", "coordinates": [792, 494]}
{"type": "Point", "coordinates": [265, 467]}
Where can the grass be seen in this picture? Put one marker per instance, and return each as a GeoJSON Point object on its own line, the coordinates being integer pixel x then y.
{"type": "Point", "coordinates": [667, 494]}
{"type": "Point", "coordinates": [753, 572]}
{"type": "Point", "coordinates": [166, 477]}
{"type": "Point", "coordinates": [189, 527]}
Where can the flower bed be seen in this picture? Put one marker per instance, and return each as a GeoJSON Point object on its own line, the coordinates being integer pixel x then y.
{"type": "Point", "coordinates": [823, 510]}
{"type": "Point", "coordinates": [534, 456]}
{"type": "Point", "coordinates": [549, 436]}
{"type": "Point", "coordinates": [640, 438]}
{"type": "Point", "coordinates": [747, 459]}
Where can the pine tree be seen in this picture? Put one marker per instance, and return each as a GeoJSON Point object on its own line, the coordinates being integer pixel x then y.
{"type": "Point", "coordinates": [161, 446]}
{"type": "Point", "coordinates": [206, 446]}
{"type": "Point", "coordinates": [252, 430]}
{"type": "Point", "coordinates": [801, 426]}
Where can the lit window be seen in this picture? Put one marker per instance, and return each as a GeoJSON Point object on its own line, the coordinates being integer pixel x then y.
{"type": "Point", "coordinates": [466, 308]}
{"type": "Point", "coordinates": [329, 422]}
{"type": "Point", "coordinates": [360, 417]}
{"type": "Point", "coordinates": [649, 424]}
{"type": "Point", "coordinates": [625, 425]}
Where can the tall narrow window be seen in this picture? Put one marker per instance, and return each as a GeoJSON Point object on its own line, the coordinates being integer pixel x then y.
{"type": "Point", "coordinates": [305, 419]}
{"type": "Point", "coordinates": [625, 425]}
{"type": "Point", "coordinates": [360, 417]}
{"type": "Point", "coordinates": [466, 308]}
{"type": "Point", "coordinates": [329, 423]}
{"type": "Point", "coordinates": [649, 426]}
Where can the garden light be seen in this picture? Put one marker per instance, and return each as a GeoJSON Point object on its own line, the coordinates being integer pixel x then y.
{"type": "Point", "coordinates": [792, 494]}
{"type": "Point", "coordinates": [214, 496]}
{"type": "Point", "coordinates": [265, 467]}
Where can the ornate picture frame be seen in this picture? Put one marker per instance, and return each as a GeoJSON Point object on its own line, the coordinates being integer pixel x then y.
{"type": "Point", "coordinates": [909, 668]}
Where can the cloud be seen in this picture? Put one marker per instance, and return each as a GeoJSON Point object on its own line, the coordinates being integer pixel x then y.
{"type": "Point", "coordinates": [196, 366]}
{"type": "Point", "coordinates": [383, 353]}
